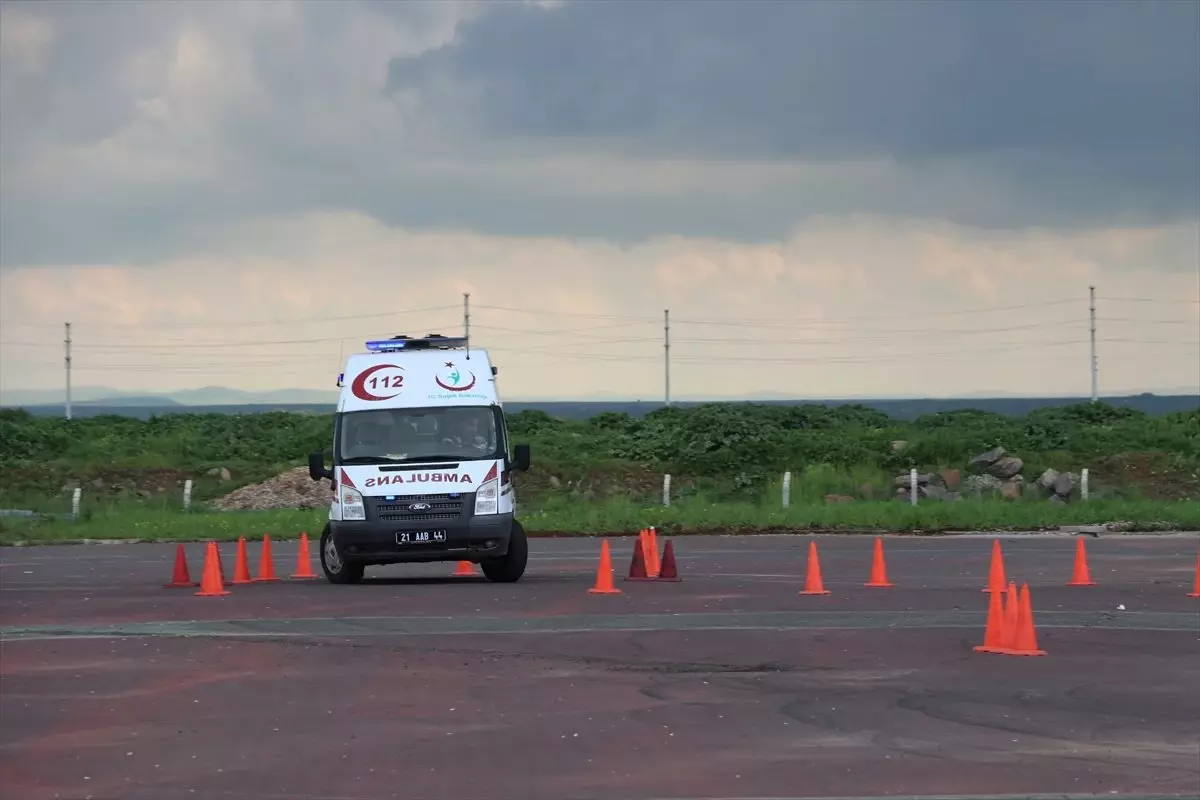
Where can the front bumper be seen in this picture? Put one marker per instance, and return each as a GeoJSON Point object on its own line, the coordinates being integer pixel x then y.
{"type": "Point", "coordinates": [378, 542]}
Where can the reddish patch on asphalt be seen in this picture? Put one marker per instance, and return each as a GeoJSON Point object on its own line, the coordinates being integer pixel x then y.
{"type": "Point", "coordinates": [592, 714]}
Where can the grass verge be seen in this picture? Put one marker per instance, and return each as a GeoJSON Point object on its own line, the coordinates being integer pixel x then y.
{"type": "Point", "coordinates": [614, 517]}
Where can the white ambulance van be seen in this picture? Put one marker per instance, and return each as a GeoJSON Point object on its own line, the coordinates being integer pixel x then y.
{"type": "Point", "coordinates": [422, 464]}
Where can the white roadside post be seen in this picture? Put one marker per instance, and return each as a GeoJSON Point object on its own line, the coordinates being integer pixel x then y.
{"type": "Point", "coordinates": [667, 489]}
{"type": "Point", "coordinates": [787, 489]}
{"type": "Point", "coordinates": [187, 494]}
{"type": "Point", "coordinates": [1083, 483]}
{"type": "Point", "coordinates": [76, 496]}
{"type": "Point", "coordinates": [912, 486]}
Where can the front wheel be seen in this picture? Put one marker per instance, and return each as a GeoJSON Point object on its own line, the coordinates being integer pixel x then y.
{"type": "Point", "coordinates": [337, 569]}
{"type": "Point", "coordinates": [509, 567]}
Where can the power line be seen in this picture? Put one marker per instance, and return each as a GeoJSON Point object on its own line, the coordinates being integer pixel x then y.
{"type": "Point", "coordinates": [248, 324]}
{"type": "Point", "coordinates": [1149, 300]}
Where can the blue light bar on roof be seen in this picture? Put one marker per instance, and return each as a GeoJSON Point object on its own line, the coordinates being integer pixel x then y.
{"type": "Point", "coordinates": [428, 343]}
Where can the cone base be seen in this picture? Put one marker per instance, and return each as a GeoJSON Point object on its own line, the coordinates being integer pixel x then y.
{"type": "Point", "coordinates": [985, 649]}
{"type": "Point", "coordinates": [604, 591]}
{"type": "Point", "coordinates": [1193, 594]}
{"type": "Point", "coordinates": [668, 580]}
{"type": "Point", "coordinates": [213, 594]}
{"type": "Point", "coordinates": [1005, 652]}
{"type": "Point", "coordinates": [875, 585]}
{"type": "Point", "coordinates": [265, 580]}
{"type": "Point", "coordinates": [1082, 583]}
{"type": "Point", "coordinates": [826, 591]}
{"type": "Point", "coordinates": [237, 582]}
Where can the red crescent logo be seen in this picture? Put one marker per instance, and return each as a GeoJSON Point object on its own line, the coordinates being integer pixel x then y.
{"type": "Point", "coordinates": [359, 387]}
{"type": "Point", "coordinates": [469, 385]}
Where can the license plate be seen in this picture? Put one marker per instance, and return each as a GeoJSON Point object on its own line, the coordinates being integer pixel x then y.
{"type": "Point", "coordinates": [420, 537]}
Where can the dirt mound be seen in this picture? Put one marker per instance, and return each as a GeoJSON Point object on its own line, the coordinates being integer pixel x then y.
{"type": "Point", "coordinates": [292, 489]}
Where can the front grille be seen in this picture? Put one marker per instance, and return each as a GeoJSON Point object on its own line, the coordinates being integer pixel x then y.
{"type": "Point", "coordinates": [442, 507]}
{"type": "Point", "coordinates": [410, 517]}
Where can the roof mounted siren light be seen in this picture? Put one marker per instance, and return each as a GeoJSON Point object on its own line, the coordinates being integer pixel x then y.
{"type": "Point", "coordinates": [431, 341]}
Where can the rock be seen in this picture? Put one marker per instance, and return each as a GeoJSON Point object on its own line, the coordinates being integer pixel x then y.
{"type": "Point", "coordinates": [98, 483]}
{"type": "Point", "coordinates": [1006, 467]}
{"type": "Point", "coordinates": [1046, 482]}
{"type": "Point", "coordinates": [838, 498]}
{"type": "Point", "coordinates": [225, 474]}
{"type": "Point", "coordinates": [951, 478]}
{"type": "Point", "coordinates": [1064, 484]}
{"type": "Point", "coordinates": [214, 472]}
{"type": "Point", "coordinates": [923, 478]}
{"type": "Point", "coordinates": [985, 460]}
{"type": "Point", "coordinates": [935, 492]}
{"type": "Point", "coordinates": [899, 445]}
{"type": "Point", "coordinates": [555, 483]}
{"type": "Point", "coordinates": [1010, 491]}
{"type": "Point", "coordinates": [1056, 500]}
{"type": "Point", "coordinates": [982, 483]}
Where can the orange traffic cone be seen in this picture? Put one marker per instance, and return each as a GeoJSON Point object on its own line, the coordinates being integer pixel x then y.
{"type": "Point", "coordinates": [1195, 592]}
{"type": "Point", "coordinates": [813, 584]}
{"type": "Point", "coordinates": [604, 573]}
{"type": "Point", "coordinates": [669, 571]}
{"type": "Point", "coordinates": [993, 636]}
{"type": "Point", "coordinates": [211, 583]}
{"type": "Point", "coordinates": [878, 567]}
{"type": "Point", "coordinates": [996, 572]}
{"type": "Point", "coordinates": [181, 578]}
{"type": "Point", "coordinates": [1010, 618]}
{"type": "Point", "coordinates": [266, 564]}
{"type": "Point", "coordinates": [652, 553]}
{"type": "Point", "coordinates": [1081, 576]}
{"type": "Point", "coordinates": [465, 570]}
{"type": "Point", "coordinates": [637, 564]}
{"type": "Point", "coordinates": [1025, 639]}
{"type": "Point", "coordinates": [241, 566]}
{"type": "Point", "coordinates": [303, 561]}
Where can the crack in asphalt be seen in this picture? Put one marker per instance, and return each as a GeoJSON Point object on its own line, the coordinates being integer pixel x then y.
{"type": "Point", "coordinates": [425, 626]}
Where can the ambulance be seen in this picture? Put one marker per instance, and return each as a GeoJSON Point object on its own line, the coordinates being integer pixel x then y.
{"type": "Point", "coordinates": [422, 463]}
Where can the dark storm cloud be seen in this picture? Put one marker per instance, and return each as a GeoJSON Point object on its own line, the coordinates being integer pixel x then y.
{"type": "Point", "coordinates": [1106, 92]}
{"type": "Point", "coordinates": [997, 115]}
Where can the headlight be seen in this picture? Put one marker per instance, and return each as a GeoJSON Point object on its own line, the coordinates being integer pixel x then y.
{"type": "Point", "coordinates": [487, 497]}
{"type": "Point", "coordinates": [352, 503]}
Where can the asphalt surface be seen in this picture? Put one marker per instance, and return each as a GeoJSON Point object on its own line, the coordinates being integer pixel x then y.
{"type": "Point", "coordinates": [422, 686]}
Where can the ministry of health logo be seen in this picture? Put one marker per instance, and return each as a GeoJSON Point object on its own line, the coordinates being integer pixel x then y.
{"type": "Point", "coordinates": [453, 380]}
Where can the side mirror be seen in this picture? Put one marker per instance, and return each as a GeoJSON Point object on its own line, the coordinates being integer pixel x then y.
{"type": "Point", "coordinates": [316, 467]}
{"type": "Point", "coordinates": [521, 458]}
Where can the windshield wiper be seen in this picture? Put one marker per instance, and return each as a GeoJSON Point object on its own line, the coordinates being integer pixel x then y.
{"type": "Point", "coordinates": [422, 459]}
{"type": "Point", "coordinates": [370, 460]}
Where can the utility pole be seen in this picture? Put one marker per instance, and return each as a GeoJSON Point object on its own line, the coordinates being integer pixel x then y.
{"type": "Point", "coordinates": [667, 355]}
{"type": "Point", "coordinates": [1092, 316]}
{"type": "Point", "coordinates": [467, 321]}
{"type": "Point", "coordinates": [67, 363]}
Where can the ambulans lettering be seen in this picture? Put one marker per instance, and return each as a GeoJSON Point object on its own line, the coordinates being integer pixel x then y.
{"type": "Point", "coordinates": [416, 477]}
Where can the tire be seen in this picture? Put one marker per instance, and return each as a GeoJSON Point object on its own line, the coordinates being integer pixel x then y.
{"type": "Point", "coordinates": [509, 567]}
{"type": "Point", "coordinates": [337, 569]}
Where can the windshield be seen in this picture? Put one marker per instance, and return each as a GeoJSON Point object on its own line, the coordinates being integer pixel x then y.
{"type": "Point", "coordinates": [418, 434]}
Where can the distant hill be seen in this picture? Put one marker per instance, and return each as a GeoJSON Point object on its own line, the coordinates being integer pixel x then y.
{"type": "Point", "coordinates": [896, 408]}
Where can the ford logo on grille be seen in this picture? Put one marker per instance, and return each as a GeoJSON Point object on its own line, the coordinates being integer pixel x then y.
{"type": "Point", "coordinates": [420, 507]}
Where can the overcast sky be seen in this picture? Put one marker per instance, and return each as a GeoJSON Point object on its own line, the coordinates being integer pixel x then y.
{"type": "Point", "coordinates": [833, 199]}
